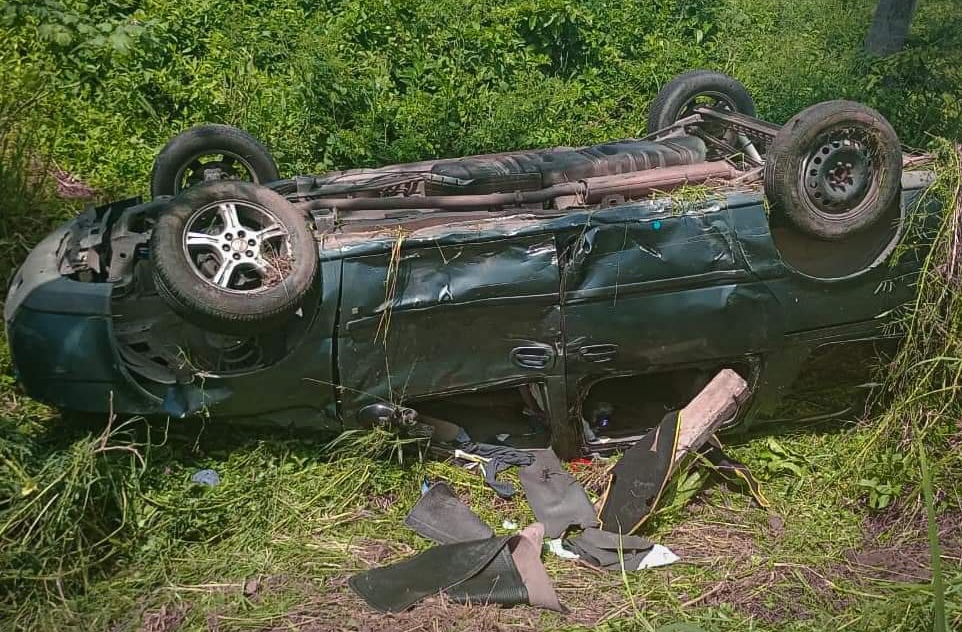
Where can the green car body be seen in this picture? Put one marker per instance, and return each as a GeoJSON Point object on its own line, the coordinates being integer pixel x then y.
{"type": "Point", "coordinates": [636, 302]}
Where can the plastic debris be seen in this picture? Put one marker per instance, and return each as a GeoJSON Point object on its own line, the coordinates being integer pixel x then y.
{"type": "Point", "coordinates": [557, 498]}
{"type": "Point", "coordinates": [555, 546]}
{"type": "Point", "coordinates": [658, 556]}
{"type": "Point", "coordinates": [610, 551]}
{"type": "Point", "coordinates": [209, 478]}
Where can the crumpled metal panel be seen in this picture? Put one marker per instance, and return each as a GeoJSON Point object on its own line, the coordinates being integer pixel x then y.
{"type": "Point", "coordinates": [639, 295]}
{"type": "Point", "coordinates": [642, 255]}
{"type": "Point", "coordinates": [338, 245]}
{"type": "Point", "coordinates": [698, 324]}
{"type": "Point", "coordinates": [438, 319]}
{"type": "Point", "coordinates": [425, 277]}
{"type": "Point", "coordinates": [654, 293]}
{"type": "Point", "coordinates": [871, 292]}
{"type": "Point", "coordinates": [303, 380]}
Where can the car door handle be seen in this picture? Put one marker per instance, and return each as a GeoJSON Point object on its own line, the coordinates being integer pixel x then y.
{"type": "Point", "coordinates": [598, 353]}
{"type": "Point", "coordinates": [532, 357]}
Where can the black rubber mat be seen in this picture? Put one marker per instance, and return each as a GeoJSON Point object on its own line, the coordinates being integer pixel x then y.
{"type": "Point", "coordinates": [637, 481]}
{"type": "Point", "coordinates": [440, 516]}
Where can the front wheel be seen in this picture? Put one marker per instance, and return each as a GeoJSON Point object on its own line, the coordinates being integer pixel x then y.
{"type": "Point", "coordinates": [233, 257]}
{"type": "Point", "coordinates": [834, 169]}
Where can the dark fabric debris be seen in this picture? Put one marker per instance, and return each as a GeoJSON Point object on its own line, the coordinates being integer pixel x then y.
{"type": "Point", "coordinates": [506, 454]}
{"type": "Point", "coordinates": [495, 458]}
{"type": "Point", "coordinates": [505, 570]}
{"type": "Point", "coordinates": [557, 499]}
{"type": "Point", "coordinates": [491, 469]}
{"type": "Point", "coordinates": [440, 516]}
{"type": "Point", "coordinates": [601, 548]}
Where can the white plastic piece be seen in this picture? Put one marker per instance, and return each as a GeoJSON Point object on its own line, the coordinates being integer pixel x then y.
{"type": "Point", "coordinates": [467, 456]}
{"type": "Point", "coordinates": [555, 547]}
{"type": "Point", "coordinates": [658, 556]}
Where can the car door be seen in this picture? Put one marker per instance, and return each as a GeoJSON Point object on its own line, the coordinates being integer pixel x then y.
{"type": "Point", "coordinates": [645, 289]}
{"type": "Point", "coordinates": [427, 320]}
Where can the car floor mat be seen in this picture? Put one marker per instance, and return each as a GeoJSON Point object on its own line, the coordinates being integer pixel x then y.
{"type": "Point", "coordinates": [557, 499]}
{"type": "Point", "coordinates": [440, 516]}
{"type": "Point", "coordinates": [601, 548]}
{"type": "Point", "coordinates": [502, 570]}
{"type": "Point", "coordinates": [637, 481]}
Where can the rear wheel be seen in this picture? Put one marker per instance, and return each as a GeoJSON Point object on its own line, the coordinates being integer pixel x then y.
{"type": "Point", "coordinates": [233, 257]}
{"type": "Point", "coordinates": [210, 153]}
{"type": "Point", "coordinates": [834, 169]}
{"type": "Point", "coordinates": [680, 96]}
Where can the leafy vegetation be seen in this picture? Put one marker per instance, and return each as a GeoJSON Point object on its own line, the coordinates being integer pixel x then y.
{"type": "Point", "coordinates": [102, 529]}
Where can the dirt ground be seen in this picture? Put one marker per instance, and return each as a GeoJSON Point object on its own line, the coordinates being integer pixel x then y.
{"type": "Point", "coordinates": [765, 590]}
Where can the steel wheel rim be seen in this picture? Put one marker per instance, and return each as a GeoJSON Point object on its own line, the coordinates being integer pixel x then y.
{"type": "Point", "coordinates": [715, 100]}
{"type": "Point", "coordinates": [838, 175]}
{"type": "Point", "coordinates": [237, 246]}
{"type": "Point", "coordinates": [719, 100]}
{"type": "Point", "coordinates": [220, 165]}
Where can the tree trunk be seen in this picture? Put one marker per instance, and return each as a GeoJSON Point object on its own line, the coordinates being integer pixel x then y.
{"type": "Point", "coordinates": [890, 26]}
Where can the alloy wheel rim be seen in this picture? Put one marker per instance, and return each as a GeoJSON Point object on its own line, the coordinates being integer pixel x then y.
{"type": "Point", "coordinates": [237, 246]}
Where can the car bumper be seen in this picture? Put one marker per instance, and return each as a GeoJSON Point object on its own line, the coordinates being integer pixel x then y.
{"type": "Point", "coordinates": [61, 337]}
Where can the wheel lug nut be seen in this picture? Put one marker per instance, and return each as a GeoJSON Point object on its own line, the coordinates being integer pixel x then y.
{"type": "Point", "coordinates": [848, 165]}
{"type": "Point", "coordinates": [236, 256]}
{"type": "Point", "coordinates": [240, 233]}
{"type": "Point", "coordinates": [249, 253]}
{"type": "Point", "coordinates": [225, 248]}
{"type": "Point", "coordinates": [251, 242]}
{"type": "Point", "coordinates": [228, 236]}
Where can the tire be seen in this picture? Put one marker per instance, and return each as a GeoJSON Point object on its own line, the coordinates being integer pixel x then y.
{"type": "Point", "coordinates": [243, 157]}
{"type": "Point", "coordinates": [267, 274]}
{"type": "Point", "coordinates": [834, 170]}
{"type": "Point", "coordinates": [677, 96]}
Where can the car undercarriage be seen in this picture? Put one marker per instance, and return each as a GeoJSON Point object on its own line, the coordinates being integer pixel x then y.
{"type": "Point", "coordinates": [564, 296]}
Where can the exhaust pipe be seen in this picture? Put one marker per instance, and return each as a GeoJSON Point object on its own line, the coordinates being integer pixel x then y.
{"type": "Point", "coordinates": [591, 190]}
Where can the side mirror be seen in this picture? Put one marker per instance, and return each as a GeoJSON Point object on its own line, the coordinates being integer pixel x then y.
{"type": "Point", "coordinates": [385, 415]}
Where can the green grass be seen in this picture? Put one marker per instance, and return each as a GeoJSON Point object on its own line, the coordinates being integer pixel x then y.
{"type": "Point", "coordinates": [292, 517]}
{"type": "Point", "coordinates": [105, 531]}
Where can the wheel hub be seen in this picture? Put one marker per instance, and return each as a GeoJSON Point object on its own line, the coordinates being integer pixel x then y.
{"type": "Point", "coordinates": [712, 99]}
{"type": "Point", "coordinates": [213, 167]}
{"type": "Point", "coordinates": [219, 171]}
{"type": "Point", "coordinates": [239, 247]}
{"type": "Point", "coordinates": [837, 175]}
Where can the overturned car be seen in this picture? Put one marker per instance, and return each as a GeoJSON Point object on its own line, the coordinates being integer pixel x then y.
{"type": "Point", "coordinates": [564, 296]}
